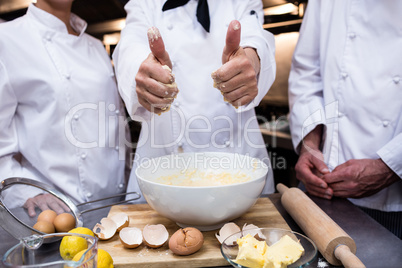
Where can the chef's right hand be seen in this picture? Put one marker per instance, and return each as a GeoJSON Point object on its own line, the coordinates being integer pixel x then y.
{"type": "Point", "coordinates": [44, 202]}
{"type": "Point", "coordinates": [310, 167]}
{"type": "Point", "coordinates": [155, 84]}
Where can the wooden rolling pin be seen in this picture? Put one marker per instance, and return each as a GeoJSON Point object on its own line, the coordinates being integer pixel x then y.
{"type": "Point", "coordinates": [337, 247]}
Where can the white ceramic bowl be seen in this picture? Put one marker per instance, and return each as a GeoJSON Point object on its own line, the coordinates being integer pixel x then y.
{"type": "Point", "coordinates": [206, 207]}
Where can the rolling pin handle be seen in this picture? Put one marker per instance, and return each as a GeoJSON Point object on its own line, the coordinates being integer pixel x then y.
{"type": "Point", "coordinates": [348, 259]}
{"type": "Point", "coordinates": [282, 188]}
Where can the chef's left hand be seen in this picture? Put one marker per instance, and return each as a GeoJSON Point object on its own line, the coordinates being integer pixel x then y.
{"type": "Point", "coordinates": [237, 77]}
{"type": "Point", "coordinates": [45, 202]}
{"type": "Point", "coordinates": [358, 178]}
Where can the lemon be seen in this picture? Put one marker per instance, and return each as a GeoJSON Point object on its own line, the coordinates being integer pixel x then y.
{"type": "Point", "coordinates": [104, 259]}
{"type": "Point", "coordinates": [78, 256]}
{"type": "Point", "coordinates": [71, 245]}
{"type": "Point", "coordinates": [82, 230]}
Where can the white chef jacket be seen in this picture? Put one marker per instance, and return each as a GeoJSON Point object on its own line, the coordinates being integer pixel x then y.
{"type": "Point", "coordinates": [346, 74]}
{"type": "Point", "coordinates": [59, 108]}
{"type": "Point", "coordinates": [199, 119]}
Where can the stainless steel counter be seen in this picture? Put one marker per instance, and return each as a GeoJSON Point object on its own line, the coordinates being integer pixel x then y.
{"type": "Point", "coordinates": [376, 246]}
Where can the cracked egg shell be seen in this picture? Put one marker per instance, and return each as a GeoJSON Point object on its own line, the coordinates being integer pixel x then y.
{"type": "Point", "coordinates": [131, 237]}
{"type": "Point", "coordinates": [227, 230]}
{"type": "Point", "coordinates": [155, 236]}
{"type": "Point", "coordinates": [186, 241]}
{"type": "Point", "coordinates": [121, 219]}
{"type": "Point", "coordinates": [253, 230]}
{"type": "Point", "coordinates": [105, 229]}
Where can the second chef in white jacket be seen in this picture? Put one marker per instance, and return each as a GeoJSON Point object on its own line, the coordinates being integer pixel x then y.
{"type": "Point", "coordinates": [59, 105]}
{"type": "Point", "coordinates": [346, 105]}
{"type": "Point", "coordinates": [199, 118]}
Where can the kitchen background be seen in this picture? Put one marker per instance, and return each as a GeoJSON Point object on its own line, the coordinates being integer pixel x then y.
{"type": "Point", "coordinates": [283, 18]}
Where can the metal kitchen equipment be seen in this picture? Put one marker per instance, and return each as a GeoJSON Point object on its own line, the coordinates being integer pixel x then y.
{"type": "Point", "coordinates": [14, 217]}
{"type": "Point", "coordinates": [35, 254]}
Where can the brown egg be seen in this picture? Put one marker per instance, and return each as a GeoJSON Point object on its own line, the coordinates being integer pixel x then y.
{"type": "Point", "coordinates": [47, 215]}
{"type": "Point", "coordinates": [64, 222]}
{"type": "Point", "coordinates": [44, 226]}
{"type": "Point", "coordinates": [186, 241]}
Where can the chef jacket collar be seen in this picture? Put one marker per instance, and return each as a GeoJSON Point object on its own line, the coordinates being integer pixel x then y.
{"type": "Point", "coordinates": [51, 21]}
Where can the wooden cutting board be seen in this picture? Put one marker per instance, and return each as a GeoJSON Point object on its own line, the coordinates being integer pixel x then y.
{"type": "Point", "coordinates": [262, 214]}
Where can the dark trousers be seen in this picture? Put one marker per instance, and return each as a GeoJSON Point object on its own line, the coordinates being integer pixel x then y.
{"type": "Point", "coordinates": [390, 220]}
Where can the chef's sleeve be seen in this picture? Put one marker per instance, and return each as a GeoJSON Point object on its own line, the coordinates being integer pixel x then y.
{"type": "Point", "coordinates": [306, 101]}
{"type": "Point", "coordinates": [9, 149]}
{"type": "Point", "coordinates": [251, 18]}
{"type": "Point", "coordinates": [128, 55]}
{"type": "Point", "coordinates": [9, 165]}
{"type": "Point", "coordinates": [391, 154]}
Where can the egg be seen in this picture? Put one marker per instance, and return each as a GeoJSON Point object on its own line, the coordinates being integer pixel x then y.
{"type": "Point", "coordinates": [47, 215]}
{"type": "Point", "coordinates": [44, 226]}
{"type": "Point", "coordinates": [64, 222]}
{"type": "Point", "coordinates": [186, 241]}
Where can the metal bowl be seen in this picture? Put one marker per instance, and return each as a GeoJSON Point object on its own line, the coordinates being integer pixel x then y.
{"type": "Point", "coordinates": [14, 218]}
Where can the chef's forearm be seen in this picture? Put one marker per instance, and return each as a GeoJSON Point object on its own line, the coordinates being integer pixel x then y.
{"type": "Point", "coordinates": [312, 140]}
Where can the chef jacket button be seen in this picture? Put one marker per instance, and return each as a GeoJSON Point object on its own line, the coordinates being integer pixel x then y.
{"type": "Point", "coordinates": [112, 74]}
{"type": "Point", "coordinates": [89, 195]}
{"type": "Point", "coordinates": [111, 107]}
{"type": "Point", "coordinates": [176, 103]}
{"type": "Point", "coordinates": [396, 79]}
{"type": "Point", "coordinates": [169, 26]}
{"type": "Point", "coordinates": [385, 123]}
{"type": "Point", "coordinates": [48, 38]}
{"type": "Point", "coordinates": [116, 148]}
{"type": "Point", "coordinates": [344, 75]}
{"type": "Point", "coordinates": [227, 143]}
{"type": "Point", "coordinates": [121, 185]}
{"type": "Point", "coordinates": [83, 155]}
{"type": "Point", "coordinates": [68, 76]}
{"type": "Point", "coordinates": [180, 144]}
{"type": "Point", "coordinates": [352, 35]}
{"type": "Point", "coordinates": [117, 111]}
{"type": "Point", "coordinates": [76, 117]}
{"type": "Point", "coordinates": [341, 115]}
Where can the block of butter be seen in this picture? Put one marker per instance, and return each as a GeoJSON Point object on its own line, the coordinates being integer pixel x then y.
{"type": "Point", "coordinates": [251, 251]}
{"type": "Point", "coordinates": [257, 254]}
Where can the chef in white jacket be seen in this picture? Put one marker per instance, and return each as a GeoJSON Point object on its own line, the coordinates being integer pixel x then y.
{"type": "Point", "coordinates": [345, 93]}
{"type": "Point", "coordinates": [189, 114]}
{"type": "Point", "coordinates": [59, 105]}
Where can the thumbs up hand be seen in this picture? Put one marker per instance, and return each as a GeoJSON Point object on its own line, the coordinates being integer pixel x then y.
{"type": "Point", "coordinates": [155, 83]}
{"type": "Point", "coordinates": [237, 77]}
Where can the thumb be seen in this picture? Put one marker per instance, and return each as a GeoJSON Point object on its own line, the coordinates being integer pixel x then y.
{"type": "Point", "coordinates": [232, 40]}
{"type": "Point", "coordinates": [319, 164]}
{"type": "Point", "coordinates": [157, 46]}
